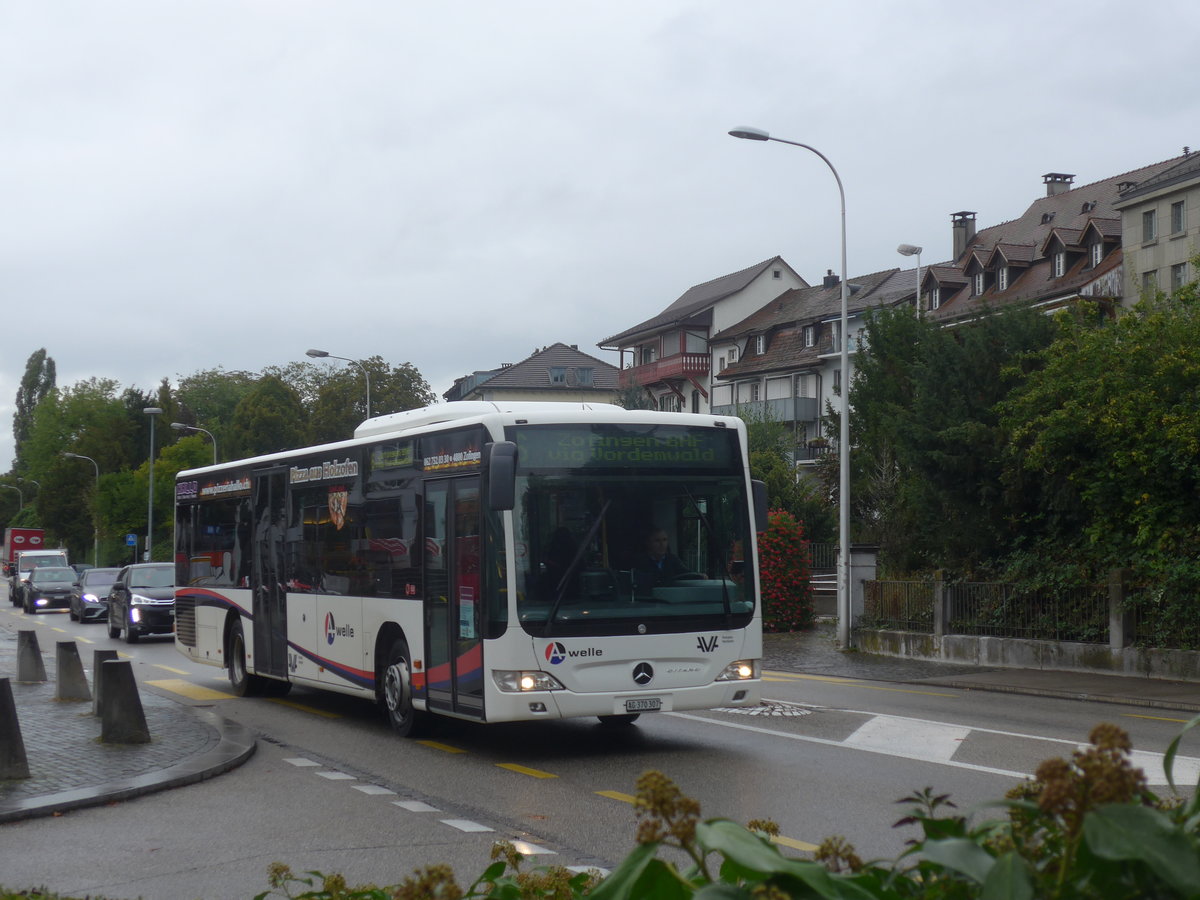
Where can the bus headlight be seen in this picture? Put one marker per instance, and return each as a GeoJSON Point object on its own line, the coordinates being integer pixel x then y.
{"type": "Point", "coordinates": [742, 670]}
{"type": "Point", "coordinates": [522, 682]}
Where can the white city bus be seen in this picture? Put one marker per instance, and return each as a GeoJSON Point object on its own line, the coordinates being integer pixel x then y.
{"type": "Point", "coordinates": [483, 561]}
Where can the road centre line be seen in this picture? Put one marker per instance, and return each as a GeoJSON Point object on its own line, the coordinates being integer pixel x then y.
{"type": "Point", "coordinates": [189, 690]}
{"type": "Point", "coordinates": [437, 745]}
{"type": "Point", "coordinates": [525, 770]}
{"type": "Point", "coordinates": [324, 714]}
{"type": "Point", "coordinates": [617, 795]}
{"type": "Point", "coordinates": [1155, 718]}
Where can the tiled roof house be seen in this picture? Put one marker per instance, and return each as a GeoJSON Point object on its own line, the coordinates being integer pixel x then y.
{"type": "Point", "coordinates": [557, 372]}
{"type": "Point", "coordinates": [668, 355]}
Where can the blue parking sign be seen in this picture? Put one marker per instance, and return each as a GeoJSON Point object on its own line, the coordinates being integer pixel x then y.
{"type": "Point", "coordinates": [131, 540]}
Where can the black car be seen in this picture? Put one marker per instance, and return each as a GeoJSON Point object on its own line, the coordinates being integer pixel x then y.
{"type": "Point", "coordinates": [49, 587]}
{"type": "Point", "coordinates": [89, 599]}
{"type": "Point", "coordinates": [142, 601]}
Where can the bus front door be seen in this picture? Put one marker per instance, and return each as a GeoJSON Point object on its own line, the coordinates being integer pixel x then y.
{"type": "Point", "coordinates": [453, 648]}
{"type": "Point", "coordinates": [270, 613]}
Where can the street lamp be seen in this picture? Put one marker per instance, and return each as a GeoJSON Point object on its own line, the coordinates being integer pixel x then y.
{"type": "Point", "coordinates": [913, 250]}
{"type": "Point", "coordinates": [325, 354]}
{"type": "Point", "coordinates": [153, 412]}
{"type": "Point", "coordinates": [179, 426]}
{"type": "Point", "coordinates": [845, 634]}
{"type": "Point", "coordinates": [95, 525]}
{"type": "Point", "coordinates": [13, 487]}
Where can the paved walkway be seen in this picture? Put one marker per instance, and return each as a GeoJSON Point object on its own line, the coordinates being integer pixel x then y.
{"type": "Point", "coordinates": [70, 767]}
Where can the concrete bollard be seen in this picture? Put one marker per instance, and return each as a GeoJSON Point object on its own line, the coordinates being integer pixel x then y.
{"type": "Point", "coordinates": [30, 667]}
{"type": "Point", "coordinates": [13, 762]}
{"type": "Point", "coordinates": [99, 658]}
{"type": "Point", "coordinates": [122, 719]}
{"type": "Point", "coordinates": [70, 682]}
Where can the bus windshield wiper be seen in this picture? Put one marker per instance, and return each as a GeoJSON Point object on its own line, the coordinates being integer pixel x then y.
{"type": "Point", "coordinates": [561, 590]}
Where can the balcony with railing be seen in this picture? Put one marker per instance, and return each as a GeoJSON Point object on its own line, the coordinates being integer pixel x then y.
{"type": "Point", "coordinates": [785, 409]}
{"type": "Point", "coordinates": [680, 365]}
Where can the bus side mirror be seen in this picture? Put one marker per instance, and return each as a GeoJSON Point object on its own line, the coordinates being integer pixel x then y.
{"type": "Point", "coordinates": [502, 475]}
{"type": "Point", "coordinates": [759, 491]}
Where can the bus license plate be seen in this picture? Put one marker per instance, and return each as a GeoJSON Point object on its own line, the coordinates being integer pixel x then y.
{"type": "Point", "coordinates": [643, 704]}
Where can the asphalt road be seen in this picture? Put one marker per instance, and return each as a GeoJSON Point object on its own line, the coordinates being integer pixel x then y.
{"type": "Point", "coordinates": [332, 789]}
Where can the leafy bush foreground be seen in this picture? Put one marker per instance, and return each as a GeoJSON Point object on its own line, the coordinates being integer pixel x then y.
{"type": "Point", "coordinates": [1084, 827]}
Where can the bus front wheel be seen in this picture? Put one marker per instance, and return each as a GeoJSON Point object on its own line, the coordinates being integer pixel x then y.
{"type": "Point", "coordinates": [397, 689]}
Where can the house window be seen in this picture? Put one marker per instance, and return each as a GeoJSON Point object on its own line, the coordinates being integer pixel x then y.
{"type": "Point", "coordinates": [1178, 221]}
{"type": "Point", "coordinates": [558, 375]}
{"type": "Point", "coordinates": [806, 386]}
{"type": "Point", "coordinates": [755, 388]}
{"type": "Point", "coordinates": [935, 298]}
{"type": "Point", "coordinates": [835, 335]}
{"type": "Point", "coordinates": [1149, 225]}
{"type": "Point", "coordinates": [1002, 278]}
{"type": "Point", "coordinates": [1097, 253]}
{"type": "Point", "coordinates": [649, 354]}
{"type": "Point", "coordinates": [584, 376]}
{"type": "Point", "coordinates": [978, 283]}
{"type": "Point", "coordinates": [810, 335]}
{"type": "Point", "coordinates": [777, 273]}
{"type": "Point", "coordinates": [1178, 276]}
{"type": "Point", "coordinates": [720, 363]}
{"type": "Point", "coordinates": [1149, 282]}
{"type": "Point", "coordinates": [760, 344]}
{"type": "Point", "coordinates": [837, 381]}
{"type": "Point", "coordinates": [733, 353]}
{"type": "Point", "coordinates": [1060, 263]}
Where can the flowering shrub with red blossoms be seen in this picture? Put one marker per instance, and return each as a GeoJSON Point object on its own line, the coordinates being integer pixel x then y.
{"type": "Point", "coordinates": [784, 560]}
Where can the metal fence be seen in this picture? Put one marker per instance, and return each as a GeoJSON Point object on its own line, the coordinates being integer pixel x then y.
{"type": "Point", "coordinates": [898, 605]}
{"type": "Point", "coordinates": [995, 609]}
{"type": "Point", "coordinates": [824, 556]}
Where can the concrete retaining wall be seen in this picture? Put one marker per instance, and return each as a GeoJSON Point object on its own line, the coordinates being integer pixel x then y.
{"type": "Point", "coordinates": [1175, 665]}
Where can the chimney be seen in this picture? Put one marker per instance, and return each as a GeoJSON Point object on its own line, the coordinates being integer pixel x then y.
{"type": "Point", "coordinates": [831, 280]}
{"type": "Point", "coordinates": [1057, 183]}
{"type": "Point", "coordinates": [962, 227]}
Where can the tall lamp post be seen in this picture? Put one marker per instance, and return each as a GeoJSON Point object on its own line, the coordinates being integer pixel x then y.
{"type": "Point", "coordinates": [845, 633]}
{"type": "Point", "coordinates": [13, 487]}
{"type": "Point", "coordinates": [914, 250]}
{"type": "Point", "coordinates": [153, 412]}
{"type": "Point", "coordinates": [180, 426]}
{"type": "Point", "coordinates": [325, 354]}
{"type": "Point", "coordinates": [95, 526]}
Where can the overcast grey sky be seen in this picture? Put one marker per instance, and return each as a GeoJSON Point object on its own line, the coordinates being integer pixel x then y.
{"type": "Point", "coordinates": [188, 185]}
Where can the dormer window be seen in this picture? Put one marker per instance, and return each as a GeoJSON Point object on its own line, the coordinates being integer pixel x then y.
{"type": "Point", "coordinates": [978, 283]}
{"type": "Point", "coordinates": [760, 344]}
{"type": "Point", "coordinates": [1096, 253]}
{"type": "Point", "coordinates": [810, 335]}
{"type": "Point", "coordinates": [1002, 278]}
{"type": "Point", "coordinates": [733, 355]}
{"type": "Point", "coordinates": [558, 375]}
{"type": "Point", "coordinates": [1060, 263]}
{"type": "Point", "coordinates": [935, 298]}
{"type": "Point", "coordinates": [585, 376]}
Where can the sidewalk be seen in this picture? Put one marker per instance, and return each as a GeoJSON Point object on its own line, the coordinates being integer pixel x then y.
{"type": "Point", "coordinates": [70, 768]}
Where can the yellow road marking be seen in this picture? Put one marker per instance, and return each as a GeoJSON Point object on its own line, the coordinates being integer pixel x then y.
{"type": "Point", "coordinates": [617, 795]}
{"type": "Point", "coordinates": [833, 679]}
{"type": "Point", "coordinates": [169, 669]}
{"type": "Point", "coordinates": [84, 640]}
{"type": "Point", "coordinates": [325, 714]}
{"type": "Point", "coordinates": [1154, 718]}
{"type": "Point", "coordinates": [445, 748]}
{"type": "Point", "coordinates": [59, 630]}
{"type": "Point", "coordinates": [525, 770]}
{"type": "Point", "coordinates": [189, 690]}
{"type": "Point", "coordinates": [793, 843]}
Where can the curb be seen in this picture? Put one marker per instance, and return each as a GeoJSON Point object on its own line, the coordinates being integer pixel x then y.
{"type": "Point", "coordinates": [237, 744]}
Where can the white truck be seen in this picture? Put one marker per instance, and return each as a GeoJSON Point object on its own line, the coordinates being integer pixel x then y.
{"type": "Point", "coordinates": [26, 562]}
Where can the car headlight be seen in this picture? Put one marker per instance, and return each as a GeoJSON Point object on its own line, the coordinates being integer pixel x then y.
{"type": "Point", "coordinates": [524, 681]}
{"type": "Point", "coordinates": [742, 670]}
{"type": "Point", "coordinates": [139, 600]}
{"type": "Point", "coordinates": [90, 598]}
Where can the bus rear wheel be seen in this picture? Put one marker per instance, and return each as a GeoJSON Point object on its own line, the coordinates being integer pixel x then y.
{"type": "Point", "coordinates": [241, 681]}
{"type": "Point", "coordinates": [397, 690]}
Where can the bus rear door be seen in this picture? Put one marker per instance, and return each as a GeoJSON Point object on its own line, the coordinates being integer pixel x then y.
{"type": "Point", "coordinates": [270, 614]}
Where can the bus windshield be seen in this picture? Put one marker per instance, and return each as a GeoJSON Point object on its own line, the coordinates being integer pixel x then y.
{"type": "Point", "coordinates": [624, 541]}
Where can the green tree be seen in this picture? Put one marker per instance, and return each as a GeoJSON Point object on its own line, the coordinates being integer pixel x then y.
{"type": "Point", "coordinates": [927, 436]}
{"type": "Point", "coordinates": [37, 383]}
{"type": "Point", "coordinates": [339, 405]}
{"type": "Point", "coordinates": [268, 419]}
